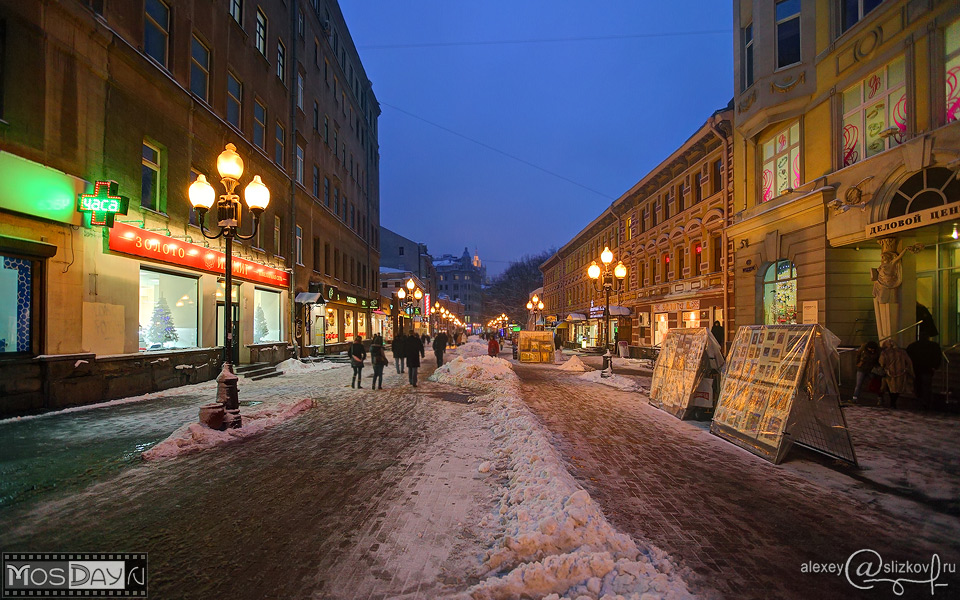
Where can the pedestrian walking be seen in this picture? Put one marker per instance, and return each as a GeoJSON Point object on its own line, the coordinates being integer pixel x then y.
{"type": "Point", "coordinates": [717, 332]}
{"type": "Point", "coordinates": [493, 348]}
{"type": "Point", "coordinates": [379, 360]}
{"type": "Point", "coordinates": [358, 354]}
{"type": "Point", "coordinates": [439, 347]}
{"type": "Point", "coordinates": [897, 370]}
{"type": "Point", "coordinates": [413, 353]}
{"type": "Point", "coordinates": [867, 360]}
{"type": "Point", "coordinates": [926, 358]}
{"type": "Point", "coordinates": [398, 348]}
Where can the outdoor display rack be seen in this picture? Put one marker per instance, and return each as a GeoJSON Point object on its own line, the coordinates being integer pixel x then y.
{"type": "Point", "coordinates": [780, 389]}
{"type": "Point", "coordinates": [686, 374]}
{"type": "Point", "coordinates": [536, 346]}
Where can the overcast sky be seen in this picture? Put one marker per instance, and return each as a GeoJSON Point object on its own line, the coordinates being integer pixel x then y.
{"type": "Point", "coordinates": [497, 136]}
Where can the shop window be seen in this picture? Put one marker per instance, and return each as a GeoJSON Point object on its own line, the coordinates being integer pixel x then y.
{"type": "Point", "coordinates": [259, 125]}
{"type": "Point", "coordinates": [875, 113]}
{"type": "Point", "coordinates": [952, 71]}
{"type": "Point", "coordinates": [788, 32]}
{"type": "Point", "coordinates": [362, 325]}
{"type": "Point", "coordinates": [17, 322]}
{"type": "Point", "coordinates": [851, 11]}
{"type": "Point", "coordinates": [266, 316]}
{"type": "Point", "coordinates": [780, 294]}
{"type": "Point", "coordinates": [781, 162]}
{"type": "Point", "coordinates": [348, 325]}
{"type": "Point", "coordinates": [156, 30]}
{"type": "Point", "coordinates": [168, 311]}
{"type": "Point", "coordinates": [199, 69]}
{"type": "Point", "coordinates": [333, 328]}
{"type": "Point", "coordinates": [150, 177]}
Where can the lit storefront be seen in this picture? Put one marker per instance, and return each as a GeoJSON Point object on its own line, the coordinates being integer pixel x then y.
{"type": "Point", "coordinates": [346, 317]}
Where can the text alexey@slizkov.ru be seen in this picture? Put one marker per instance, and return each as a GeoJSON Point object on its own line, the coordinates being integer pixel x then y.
{"type": "Point", "coordinates": [866, 569]}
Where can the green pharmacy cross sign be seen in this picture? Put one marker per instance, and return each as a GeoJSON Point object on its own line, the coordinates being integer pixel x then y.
{"type": "Point", "coordinates": [103, 203]}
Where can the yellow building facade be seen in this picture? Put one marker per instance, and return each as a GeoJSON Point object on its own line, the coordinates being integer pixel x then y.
{"type": "Point", "coordinates": [846, 151]}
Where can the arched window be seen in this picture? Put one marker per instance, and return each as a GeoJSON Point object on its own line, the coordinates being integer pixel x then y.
{"type": "Point", "coordinates": [780, 294]}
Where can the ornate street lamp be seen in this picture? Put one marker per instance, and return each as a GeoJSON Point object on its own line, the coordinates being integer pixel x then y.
{"type": "Point", "coordinates": [535, 306]}
{"type": "Point", "coordinates": [229, 209]}
{"type": "Point", "coordinates": [410, 296]}
{"type": "Point", "coordinates": [607, 281]}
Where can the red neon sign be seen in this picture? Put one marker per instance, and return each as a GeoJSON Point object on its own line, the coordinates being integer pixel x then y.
{"type": "Point", "coordinates": [137, 242]}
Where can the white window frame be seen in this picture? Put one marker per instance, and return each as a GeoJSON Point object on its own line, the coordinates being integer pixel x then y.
{"type": "Point", "coordinates": [746, 64]}
{"type": "Point", "coordinates": [788, 146]}
{"type": "Point", "coordinates": [776, 29]}
{"type": "Point", "coordinates": [300, 90]}
{"type": "Point", "coordinates": [203, 68]}
{"type": "Point", "coordinates": [236, 11]}
{"type": "Point", "coordinates": [164, 29]}
{"type": "Point", "coordinates": [299, 251]}
{"type": "Point", "coordinates": [281, 61]}
{"type": "Point", "coordinates": [853, 123]}
{"type": "Point", "coordinates": [153, 166]}
{"type": "Point", "coordinates": [279, 139]}
{"type": "Point", "coordinates": [277, 238]}
{"type": "Point", "coordinates": [299, 166]}
{"type": "Point", "coordinates": [261, 32]}
{"type": "Point", "coordinates": [239, 100]}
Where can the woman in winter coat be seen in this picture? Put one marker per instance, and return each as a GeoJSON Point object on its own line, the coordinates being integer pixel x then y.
{"type": "Point", "coordinates": [413, 351]}
{"type": "Point", "coordinates": [358, 354]}
{"type": "Point", "coordinates": [493, 348]}
{"type": "Point", "coordinates": [398, 347]}
{"type": "Point", "coordinates": [897, 370]}
{"type": "Point", "coordinates": [379, 360]}
{"type": "Point", "coordinates": [867, 357]}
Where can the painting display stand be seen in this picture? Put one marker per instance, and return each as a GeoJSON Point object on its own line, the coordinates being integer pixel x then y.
{"type": "Point", "coordinates": [686, 373]}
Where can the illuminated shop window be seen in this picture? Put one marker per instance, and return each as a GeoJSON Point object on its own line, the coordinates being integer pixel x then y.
{"type": "Point", "coordinates": [266, 316]}
{"type": "Point", "coordinates": [16, 304]}
{"type": "Point", "coordinates": [780, 294]}
{"type": "Point", "coordinates": [781, 163]}
{"type": "Point", "coordinates": [168, 311]}
{"type": "Point", "coordinates": [875, 113]}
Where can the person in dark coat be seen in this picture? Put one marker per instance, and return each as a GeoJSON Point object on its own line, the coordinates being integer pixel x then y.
{"type": "Point", "coordinates": [493, 348]}
{"type": "Point", "coordinates": [557, 342]}
{"type": "Point", "coordinates": [926, 358]}
{"type": "Point", "coordinates": [379, 360]}
{"type": "Point", "coordinates": [717, 332]}
{"type": "Point", "coordinates": [398, 347]}
{"type": "Point", "coordinates": [413, 353]}
{"type": "Point", "coordinates": [868, 357]}
{"type": "Point", "coordinates": [439, 347]}
{"type": "Point", "coordinates": [358, 354]}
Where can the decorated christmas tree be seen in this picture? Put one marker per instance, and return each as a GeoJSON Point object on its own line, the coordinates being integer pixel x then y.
{"type": "Point", "coordinates": [260, 327]}
{"type": "Point", "coordinates": [162, 329]}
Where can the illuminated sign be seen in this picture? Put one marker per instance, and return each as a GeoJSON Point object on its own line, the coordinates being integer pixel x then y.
{"type": "Point", "coordinates": [375, 303]}
{"type": "Point", "coordinates": [330, 292]}
{"type": "Point", "coordinates": [351, 300]}
{"type": "Point", "coordinates": [137, 242]}
{"type": "Point", "coordinates": [103, 203]}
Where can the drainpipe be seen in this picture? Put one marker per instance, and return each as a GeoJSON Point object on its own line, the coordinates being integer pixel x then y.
{"type": "Point", "coordinates": [727, 209]}
{"type": "Point", "coordinates": [292, 69]}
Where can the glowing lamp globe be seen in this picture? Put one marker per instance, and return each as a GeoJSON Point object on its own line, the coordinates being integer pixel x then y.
{"type": "Point", "coordinates": [257, 195]}
{"type": "Point", "coordinates": [201, 193]}
{"type": "Point", "coordinates": [418, 294]}
{"type": "Point", "coordinates": [620, 271]}
{"type": "Point", "coordinates": [410, 284]}
{"type": "Point", "coordinates": [401, 294]}
{"type": "Point", "coordinates": [593, 270]}
{"type": "Point", "coordinates": [529, 305]}
{"type": "Point", "coordinates": [535, 299]}
{"type": "Point", "coordinates": [606, 256]}
{"type": "Point", "coordinates": [229, 163]}
{"type": "Point", "coordinates": [539, 305]}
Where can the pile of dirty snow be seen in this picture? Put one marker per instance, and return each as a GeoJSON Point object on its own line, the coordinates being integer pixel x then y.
{"type": "Point", "coordinates": [477, 372]}
{"type": "Point", "coordinates": [292, 365]}
{"type": "Point", "coordinates": [194, 437]}
{"type": "Point", "coordinates": [575, 365]}
{"type": "Point", "coordinates": [551, 539]}
{"type": "Point", "coordinates": [617, 381]}
{"type": "Point", "coordinates": [474, 347]}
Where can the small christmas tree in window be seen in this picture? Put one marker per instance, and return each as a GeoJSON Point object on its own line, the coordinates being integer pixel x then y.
{"type": "Point", "coordinates": [162, 329]}
{"type": "Point", "coordinates": [260, 328]}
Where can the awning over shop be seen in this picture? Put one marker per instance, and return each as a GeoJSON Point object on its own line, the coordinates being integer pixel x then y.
{"type": "Point", "coordinates": [619, 311]}
{"type": "Point", "coordinates": [308, 298]}
{"type": "Point", "coordinates": [563, 325]}
{"type": "Point", "coordinates": [576, 317]}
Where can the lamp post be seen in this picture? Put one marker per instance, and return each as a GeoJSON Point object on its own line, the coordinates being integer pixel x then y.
{"type": "Point", "coordinates": [535, 305]}
{"type": "Point", "coordinates": [607, 280]}
{"type": "Point", "coordinates": [229, 210]}
{"type": "Point", "coordinates": [410, 296]}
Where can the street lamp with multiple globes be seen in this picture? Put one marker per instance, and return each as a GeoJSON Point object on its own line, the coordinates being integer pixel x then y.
{"type": "Point", "coordinates": [229, 209]}
{"type": "Point", "coordinates": [607, 281]}
{"type": "Point", "coordinates": [410, 296]}
{"type": "Point", "coordinates": [535, 306]}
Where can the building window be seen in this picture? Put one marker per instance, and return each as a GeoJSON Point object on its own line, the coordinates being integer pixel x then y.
{"type": "Point", "coordinates": [697, 188]}
{"type": "Point", "coordinates": [716, 253]}
{"type": "Point", "coordinates": [276, 236]}
{"type": "Point", "coordinates": [278, 146]}
{"type": "Point", "coordinates": [715, 177]}
{"type": "Point", "coordinates": [168, 311]}
{"type": "Point", "coordinates": [300, 23]}
{"type": "Point", "coordinates": [316, 116]}
{"type": "Point", "coordinates": [781, 162]}
{"type": "Point", "coordinates": [299, 249]}
{"type": "Point", "coordinates": [665, 267]}
{"type": "Point", "coordinates": [17, 319]}
{"type": "Point", "coordinates": [952, 71]}
{"type": "Point", "coordinates": [680, 199]}
{"type": "Point", "coordinates": [316, 254]}
{"type": "Point", "coordinates": [746, 68]}
{"type": "Point", "coordinates": [261, 36]}
{"type": "Point", "coordinates": [629, 232]}
{"type": "Point", "coordinates": [234, 100]}
{"type": "Point", "coordinates": [697, 256]}
{"type": "Point", "coordinates": [644, 215]}
{"type": "Point", "coordinates": [267, 315]}
{"type": "Point", "coordinates": [259, 125]}
{"type": "Point", "coordinates": [780, 294]}
{"type": "Point", "coordinates": [236, 11]}
{"type": "Point", "coordinates": [875, 113]}
{"type": "Point", "coordinates": [300, 92]}
{"type": "Point", "coordinates": [851, 11]}
{"type": "Point", "coordinates": [316, 181]}
{"type": "Point", "coordinates": [400, 251]}
{"type": "Point", "coordinates": [666, 203]}
{"type": "Point", "coordinates": [326, 192]}
{"type": "Point", "coordinates": [298, 171]}
{"type": "Point", "coordinates": [656, 212]}
{"type": "Point", "coordinates": [281, 61]}
{"type": "Point", "coordinates": [788, 33]}
{"type": "Point", "coordinates": [326, 130]}
{"type": "Point", "coordinates": [150, 177]}
{"type": "Point", "coordinates": [156, 30]}
{"type": "Point", "coordinates": [199, 70]}
{"type": "Point", "coordinates": [326, 259]}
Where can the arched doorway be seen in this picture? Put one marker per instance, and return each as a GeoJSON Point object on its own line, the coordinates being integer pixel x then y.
{"type": "Point", "coordinates": [780, 293]}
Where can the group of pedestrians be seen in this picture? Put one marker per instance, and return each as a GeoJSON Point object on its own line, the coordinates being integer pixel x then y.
{"type": "Point", "coordinates": [889, 369]}
{"type": "Point", "coordinates": [407, 351]}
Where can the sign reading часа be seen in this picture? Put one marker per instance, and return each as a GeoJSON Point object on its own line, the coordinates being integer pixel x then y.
{"type": "Point", "coordinates": [913, 220]}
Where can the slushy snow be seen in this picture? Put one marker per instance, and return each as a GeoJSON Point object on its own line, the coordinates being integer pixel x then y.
{"type": "Point", "coordinates": [575, 365]}
{"type": "Point", "coordinates": [617, 381]}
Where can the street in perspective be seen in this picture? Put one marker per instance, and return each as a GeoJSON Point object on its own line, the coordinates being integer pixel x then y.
{"type": "Point", "coordinates": [432, 300]}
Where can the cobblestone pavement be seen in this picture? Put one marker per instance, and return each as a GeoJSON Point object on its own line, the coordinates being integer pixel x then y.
{"type": "Point", "coordinates": [372, 494]}
{"type": "Point", "coordinates": [743, 526]}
